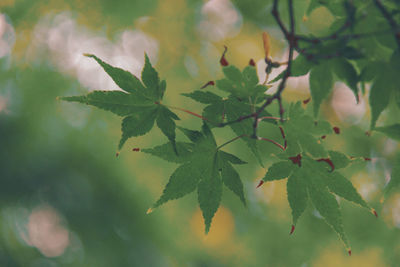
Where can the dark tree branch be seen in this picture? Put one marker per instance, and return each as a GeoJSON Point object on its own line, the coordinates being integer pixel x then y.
{"type": "Point", "coordinates": [389, 18]}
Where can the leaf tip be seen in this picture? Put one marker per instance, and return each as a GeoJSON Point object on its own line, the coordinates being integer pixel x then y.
{"type": "Point", "coordinates": [88, 55]}
{"type": "Point", "coordinates": [150, 210]}
{"type": "Point", "coordinates": [208, 84]}
{"type": "Point", "coordinates": [349, 251]}
{"type": "Point", "coordinates": [223, 60]}
{"type": "Point", "coordinates": [336, 130]}
{"type": "Point", "coordinates": [260, 184]}
{"type": "Point", "coordinates": [207, 229]}
{"type": "Point", "coordinates": [305, 102]}
{"type": "Point", "coordinates": [135, 149]}
{"type": "Point", "coordinates": [117, 154]}
{"type": "Point", "coordinates": [374, 212]}
{"type": "Point", "coordinates": [252, 62]}
{"type": "Point", "coordinates": [292, 229]}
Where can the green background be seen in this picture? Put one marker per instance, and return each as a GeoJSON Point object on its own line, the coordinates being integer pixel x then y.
{"type": "Point", "coordinates": [57, 160]}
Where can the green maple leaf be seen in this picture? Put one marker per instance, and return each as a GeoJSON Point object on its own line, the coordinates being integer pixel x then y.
{"type": "Point", "coordinates": [303, 133]}
{"type": "Point", "coordinates": [311, 179]}
{"type": "Point", "coordinates": [243, 85]}
{"type": "Point", "coordinates": [300, 66]}
{"type": "Point", "coordinates": [321, 83]}
{"type": "Point", "coordinates": [244, 93]}
{"type": "Point", "coordinates": [204, 167]}
{"type": "Point", "coordinates": [392, 131]}
{"type": "Point", "coordinates": [333, 6]}
{"type": "Point", "coordinates": [346, 72]}
{"type": "Point", "coordinates": [312, 171]}
{"type": "Point", "coordinates": [394, 181]}
{"type": "Point", "coordinates": [139, 103]}
{"type": "Point", "coordinates": [384, 86]}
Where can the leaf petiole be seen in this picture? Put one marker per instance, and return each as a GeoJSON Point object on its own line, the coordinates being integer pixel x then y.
{"type": "Point", "coordinates": [232, 140]}
{"type": "Point", "coordinates": [189, 112]}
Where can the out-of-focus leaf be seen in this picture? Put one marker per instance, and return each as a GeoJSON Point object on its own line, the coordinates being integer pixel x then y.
{"type": "Point", "coordinates": [320, 85]}
{"type": "Point", "coordinates": [300, 66]}
{"type": "Point", "coordinates": [347, 73]}
{"type": "Point", "coordinates": [394, 177]}
{"type": "Point", "coordinates": [379, 96]}
{"type": "Point", "coordinates": [392, 131]}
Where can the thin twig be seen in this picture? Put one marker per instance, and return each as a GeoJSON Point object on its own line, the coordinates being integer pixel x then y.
{"type": "Point", "coordinates": [190, 112]}
{"type": "Point", "coordinates": [292, 40]}
{"type": "Point", "coordinates": [277, 17]}
{"type": "Point", "coordinates": [271, 141]}
{"type": "Point", "coordinates": [268, 118]}
{"type": "Point", "coordinates": [241, 118]}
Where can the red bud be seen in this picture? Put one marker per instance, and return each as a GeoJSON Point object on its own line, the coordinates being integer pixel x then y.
{"type": "Point", "coordinates": [252, 63]}
{"type": "Point", "coordinates": [336, 130]}
{"type": "Point", "coordinates": [260, 184]}
{"type": "Point", "coordinates": [292, 230]}
{"type": "Point", "coordinates": [136, 149]}
{"type": "Point", "coordinates": [349, 251]}
{"type": "Point", "coordinates": [117, 154]}
{"type": "Point", "coordinates": [323, 137]}
{"type": "Point", "coordinates": [367, 159]}
{"type": "Point", "coordinates": [207, 84]}
{"type": "Point", "coordinates": [305, 102]}
{"type": "Point", "coordinates": [223, 60]}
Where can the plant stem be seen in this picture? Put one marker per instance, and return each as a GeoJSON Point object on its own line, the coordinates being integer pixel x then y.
{"type": "Point", "coordinates": [271, 141]}
{"type": "Point", "coordinates": [230, 141]}
{"type": "Point", "coordinates": [189, 112]}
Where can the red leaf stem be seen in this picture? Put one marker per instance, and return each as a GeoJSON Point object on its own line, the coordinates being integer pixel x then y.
{"type": "Point", "coordinates": [223, 60]}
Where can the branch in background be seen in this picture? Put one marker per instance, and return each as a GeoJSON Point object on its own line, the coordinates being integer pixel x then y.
{"type": "Point", "coordinates": [390, 20]}
{"type": "Point", "coordinates": [292, 40]}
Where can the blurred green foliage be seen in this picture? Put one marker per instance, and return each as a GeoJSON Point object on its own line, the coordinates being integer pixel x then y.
{"type": "Point", "coordinates": [62, 156]}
